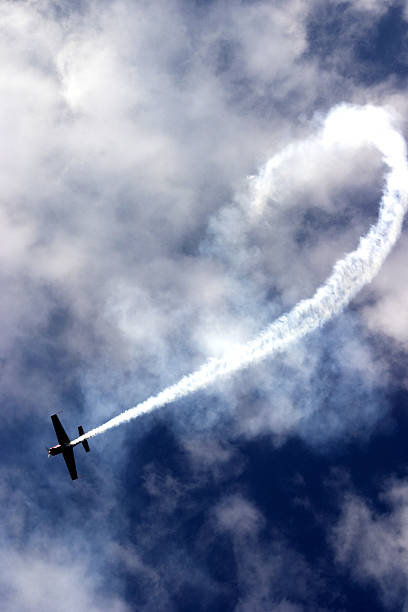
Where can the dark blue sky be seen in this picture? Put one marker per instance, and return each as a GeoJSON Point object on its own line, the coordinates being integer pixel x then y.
{"type": "Point", "coordinates": [130, 256]}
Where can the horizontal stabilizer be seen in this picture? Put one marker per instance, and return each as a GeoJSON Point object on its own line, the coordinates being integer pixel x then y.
{"type": "Point", "coordinates": [84, 442]}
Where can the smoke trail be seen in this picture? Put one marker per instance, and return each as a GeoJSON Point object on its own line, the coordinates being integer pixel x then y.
{"type": "Point", "coordinates": [346, 125]}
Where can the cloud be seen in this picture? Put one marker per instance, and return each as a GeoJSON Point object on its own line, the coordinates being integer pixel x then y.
{"type": "Point", "coordinates": [372, 544]}
{"type": "Point", "coordinates": [127, 152]}
{"type": "Point", "coordinates": [30, 581]}
{"type": "Point", "coordinates": [127, 259]}
{"type": "Point", "coordinates": [269, 574]}
{"type": "Point", "coordinates": [385, 314]}
{"type": "Point", "coordinates": [360, 41]}
{"type": "Point", "coordinates": [44, 557]}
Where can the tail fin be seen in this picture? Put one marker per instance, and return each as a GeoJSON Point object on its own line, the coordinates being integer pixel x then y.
{"type": "Point", "coordinates": [84, 442]}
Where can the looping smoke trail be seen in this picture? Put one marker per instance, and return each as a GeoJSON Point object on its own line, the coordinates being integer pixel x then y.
{"type": "Point", "coordinates": [346, 125]}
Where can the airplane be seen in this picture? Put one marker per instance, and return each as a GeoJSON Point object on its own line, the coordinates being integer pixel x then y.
{"type": "Point", "coordinates": [65, 446]}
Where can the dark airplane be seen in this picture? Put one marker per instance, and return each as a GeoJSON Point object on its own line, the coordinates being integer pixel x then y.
{"type": "Point", "coordinates": [66, 447]}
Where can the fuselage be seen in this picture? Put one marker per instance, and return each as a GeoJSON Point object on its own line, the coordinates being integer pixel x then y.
{"type": "Point", "coordinates": [65, 446]}
{"type": "Point", "coordinates": [59, 448]}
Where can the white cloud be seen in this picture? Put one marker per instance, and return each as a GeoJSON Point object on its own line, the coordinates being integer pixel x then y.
{"type": "Point", "coordinates": [270, 575]}
{"type": "Point", "coordinates": [32, 582]}
{"type": "Point", "coordinates": [128, 258]}
{"type": "Point", "coordinates": [377, 7]}
{"type": "Point", "coordinates": [126, 132]}
{"type": "Point", "coordinates": [387, 314]}
{"type": "Point", "coordinates": [44, 556]}
{"type": "Point", "coordinates": [373, 545]}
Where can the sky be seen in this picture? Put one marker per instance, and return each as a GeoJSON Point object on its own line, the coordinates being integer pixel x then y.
{"type": "Point", "coordinates": [132, 133]}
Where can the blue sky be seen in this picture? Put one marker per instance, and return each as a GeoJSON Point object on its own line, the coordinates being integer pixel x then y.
{"type": "Point", "coordinates": [129, 131]}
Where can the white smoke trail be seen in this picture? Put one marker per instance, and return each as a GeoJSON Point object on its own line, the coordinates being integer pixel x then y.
{"type": "Point", "coordinates": [346, 125]}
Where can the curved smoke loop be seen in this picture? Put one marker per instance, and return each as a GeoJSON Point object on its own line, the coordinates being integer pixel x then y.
{"type": "Point", "coordinates": [346, 125]}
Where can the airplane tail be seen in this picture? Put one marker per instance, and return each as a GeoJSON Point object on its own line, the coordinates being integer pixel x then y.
{"type": "Point", "coordinates": [84, 442]}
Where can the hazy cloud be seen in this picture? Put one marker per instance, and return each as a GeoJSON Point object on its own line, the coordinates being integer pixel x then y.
{"type": "Point", "coordinates": [373, 544]}
{"type": "Point", "coordinates": [128, 257]}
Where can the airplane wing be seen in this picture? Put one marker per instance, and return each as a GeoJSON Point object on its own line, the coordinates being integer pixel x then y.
{"type": "Point", "coordinates": [69, 459]}
{"type": "Point", "coordinates": [59, 430]}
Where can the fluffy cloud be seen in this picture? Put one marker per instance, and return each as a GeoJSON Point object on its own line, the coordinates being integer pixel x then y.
{"type": "Point", "coordinates": [270, 575]}
{"type": "Point", "coordinates": [373, 544]}
{"type": "Point", "coordinates": [129, 256]}
{"type": "Point", "coordinates": [31, 580]}
{"type": "Point", "coordinates": [124, 202]}
{"type": "Point", "coordinates": [386, 313]}
{"type": "Point", "coordinates": [45, 561]}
